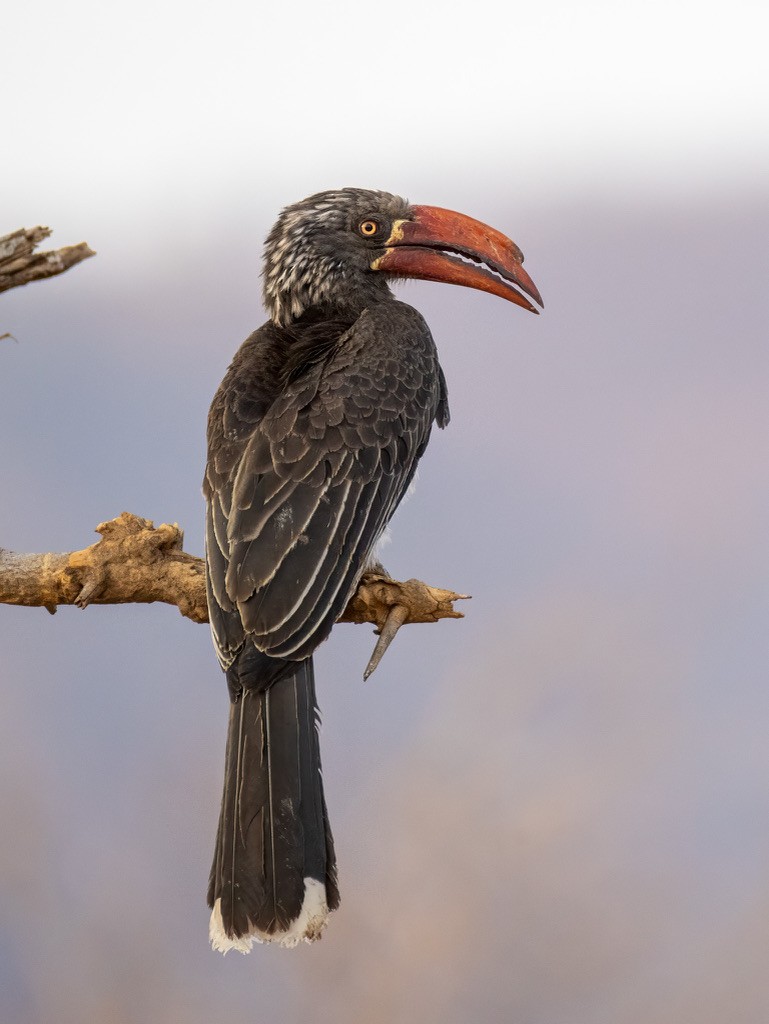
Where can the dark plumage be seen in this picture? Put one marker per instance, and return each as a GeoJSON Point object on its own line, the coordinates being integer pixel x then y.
{"type": "Point", "coordinates": [313, 439]}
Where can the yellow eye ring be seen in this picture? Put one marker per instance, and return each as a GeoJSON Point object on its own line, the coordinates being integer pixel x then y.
{"type": "Point", "coordinates": [368, 228]}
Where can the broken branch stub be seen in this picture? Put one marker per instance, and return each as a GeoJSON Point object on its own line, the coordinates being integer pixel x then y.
{"type": "Point", "coordinates": [20, 264]}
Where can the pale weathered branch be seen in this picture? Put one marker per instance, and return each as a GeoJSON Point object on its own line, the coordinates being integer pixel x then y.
{"type": "Point", "coordinates": [136, 562]}
{"type": "Point", "coordinates": [133, 562]}
{"type": "Point", "coordinates": [20, 264]}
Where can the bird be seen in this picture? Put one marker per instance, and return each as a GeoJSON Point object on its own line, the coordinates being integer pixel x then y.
{"type": "Point", "coordinates": [314, 437]}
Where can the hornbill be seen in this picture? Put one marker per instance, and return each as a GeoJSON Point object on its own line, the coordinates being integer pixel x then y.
{"type": "Point", "coordinates": [313, 439]}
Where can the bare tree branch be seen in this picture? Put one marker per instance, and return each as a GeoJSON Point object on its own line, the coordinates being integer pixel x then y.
{"type": "Point", "coordinates": [20, 264]}
{"type": "Point", "coordinates": [136, 562]}
{"type": "Point", "coordinates": [133, 562]}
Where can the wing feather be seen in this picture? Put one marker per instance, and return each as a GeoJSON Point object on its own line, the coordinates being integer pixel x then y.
{"type": "Point", "coordinates": [336, 573]}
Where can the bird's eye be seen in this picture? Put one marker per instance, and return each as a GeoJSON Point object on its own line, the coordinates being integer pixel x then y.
{"type": "Point", "coordinates": [368, 228]}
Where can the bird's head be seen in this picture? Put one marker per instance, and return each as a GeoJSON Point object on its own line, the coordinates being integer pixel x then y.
{"type": "Point", "coordinates": [340, 248]}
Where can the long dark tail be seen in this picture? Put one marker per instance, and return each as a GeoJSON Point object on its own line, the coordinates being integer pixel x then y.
{"type": "Point", "coordinates": [274, 873]}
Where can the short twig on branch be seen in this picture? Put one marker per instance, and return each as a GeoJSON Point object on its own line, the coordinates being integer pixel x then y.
{"type": "Point", "coordinates": [391, 603]}
{"type": "Point", "coordinates": [136, 562]}
{"type": "Point", "coordinates": [20, 264]}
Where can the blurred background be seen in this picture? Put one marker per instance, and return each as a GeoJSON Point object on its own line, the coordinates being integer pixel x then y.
{"type": "Point", "coordinates": [555, 811]}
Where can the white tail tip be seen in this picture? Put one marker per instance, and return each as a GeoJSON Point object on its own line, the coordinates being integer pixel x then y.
{"type": "Point", "coordinates": [307, 926]}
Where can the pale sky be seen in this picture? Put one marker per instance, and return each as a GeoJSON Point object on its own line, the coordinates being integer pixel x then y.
{"type": "Point", "coordinates": [118, 109]}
